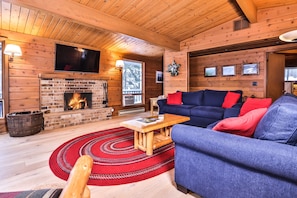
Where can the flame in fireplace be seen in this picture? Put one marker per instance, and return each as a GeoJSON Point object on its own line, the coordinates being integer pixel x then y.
{"type": "Point", "coordinates": [77, 102]}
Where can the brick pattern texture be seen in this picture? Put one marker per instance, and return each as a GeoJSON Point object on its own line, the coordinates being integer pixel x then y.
{"type": "Point", "coordinates": [52, 102]}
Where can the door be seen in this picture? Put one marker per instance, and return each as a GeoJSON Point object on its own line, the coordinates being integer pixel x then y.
{"type": "Point", "coordinates": [275, 76]}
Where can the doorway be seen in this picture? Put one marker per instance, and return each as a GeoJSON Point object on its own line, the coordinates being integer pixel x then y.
{"type": "Point", "coordinates": [290, 71]}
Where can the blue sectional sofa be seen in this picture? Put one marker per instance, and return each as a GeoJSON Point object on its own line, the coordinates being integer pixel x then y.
{"type": "Point", "coordinates": [203, 107]}
{"type": "Point", "coordinates": [219, 164]}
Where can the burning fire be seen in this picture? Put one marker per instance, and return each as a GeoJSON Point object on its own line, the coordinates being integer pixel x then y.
{"type": "Point", "coordinates": [76, 102]}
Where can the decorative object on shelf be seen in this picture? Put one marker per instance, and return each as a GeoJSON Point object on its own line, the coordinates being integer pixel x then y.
{"type": "Point", "coordinates": [289, 36]}
{"type": "Point", "coordinates": [210, 71]}
{"type": "Point", "coordinates": [250, 68]}
{"type": "Point", "coordinates": [173, 68]}
{"type": "Point", "coordinates": [228, 70]}
{"type": "Point", "coordinates": [119, 64]}
{"type": "Point", "coordinates": [12, 50]}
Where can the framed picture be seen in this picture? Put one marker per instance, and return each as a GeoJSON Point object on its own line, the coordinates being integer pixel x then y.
{"type": "Point", "coordinates": [210, 71]}
{"type": "Point", "coordinates": [228, 70]}
{"type": "Point", "coordinates": [159, 77]}
{"type": "Point", "coordinates": [250, 69]}
{"type": "Point", "coordinates": [1, 108]}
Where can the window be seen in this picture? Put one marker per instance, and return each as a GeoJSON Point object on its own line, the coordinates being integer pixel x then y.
{"type": "Point", "coordinates": [291, 74]}
{"type": "Point", "coordinates": [132, 83]}
{"type": "Point", "coordinates": [1, 84]}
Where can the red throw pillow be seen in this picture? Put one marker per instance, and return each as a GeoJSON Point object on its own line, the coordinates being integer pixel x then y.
{"type": "Point", "coordinates": [254, 103]}
{"type": "Point", "coordinates": [174, 98]}
{"type": "Point", "coordinates": [244, 125]}
{"type": "Point", "coordinates": [230, 99]}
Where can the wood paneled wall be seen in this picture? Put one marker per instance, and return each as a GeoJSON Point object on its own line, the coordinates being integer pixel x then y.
{"type": "Point", "coordinates": [237, 82]}
{"type": "Point", "coordinates": [180, 82]}
{"type": "Point", "coordinates": [39, 58]}
{"type": "Point", "coordinates": [271, 23]}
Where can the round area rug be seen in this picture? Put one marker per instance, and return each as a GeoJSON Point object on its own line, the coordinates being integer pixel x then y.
{"type": "Point", "coordinates": [115, 159]}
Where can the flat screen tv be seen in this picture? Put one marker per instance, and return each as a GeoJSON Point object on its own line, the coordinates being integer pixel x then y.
{"type": "Point", "coordinates": [76, 59]}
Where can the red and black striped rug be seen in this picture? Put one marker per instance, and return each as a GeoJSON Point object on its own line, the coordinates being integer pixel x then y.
{"type": "Point", "coordinates": [115, 159]}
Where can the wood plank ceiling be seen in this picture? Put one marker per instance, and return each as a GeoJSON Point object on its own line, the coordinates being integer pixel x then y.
{"type": "Point", "coordinates": [143, 27]}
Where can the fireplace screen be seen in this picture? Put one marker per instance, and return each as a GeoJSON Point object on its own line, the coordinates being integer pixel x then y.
{"type": "Point", "coordinates": [73, 101]}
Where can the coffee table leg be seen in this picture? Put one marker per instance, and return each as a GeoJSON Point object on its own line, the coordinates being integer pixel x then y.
{"type": "Point", "coordinates": [136, 142]}
{"type": "Point", "coordinates": [149, 142]}
{"type": "Point", "coordinates": [168, 132]}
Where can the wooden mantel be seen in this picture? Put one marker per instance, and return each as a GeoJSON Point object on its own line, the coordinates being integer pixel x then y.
{"type": "Point", "coordinates": [74, 75]}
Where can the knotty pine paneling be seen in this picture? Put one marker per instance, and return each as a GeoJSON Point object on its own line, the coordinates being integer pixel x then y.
{"type": "Point", "coordinates": [237, 82]}
{"type": "Point", "coordinates": [270, 24]}
{"type": "Point", "coordinates": [39, 58]}
{"type": "Point", "coordinates": [180, 82]}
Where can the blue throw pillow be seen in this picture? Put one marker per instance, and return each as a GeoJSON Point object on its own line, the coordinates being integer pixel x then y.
{"type": "Point", "coordinates": [192, 98]}
{"type": "Point", "coordinates": [279, 124]}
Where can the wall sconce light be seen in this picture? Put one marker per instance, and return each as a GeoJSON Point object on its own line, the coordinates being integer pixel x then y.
{"type": "Point", "coordinates": [119, 64]}
{"type": "Point", "coordinates": [289, 36]}
{"type": "Point", "coordinates": [12, 50]}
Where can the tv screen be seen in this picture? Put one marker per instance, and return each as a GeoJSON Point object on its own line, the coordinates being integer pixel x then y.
{"type": "Point", "coordinates": [70, 58]}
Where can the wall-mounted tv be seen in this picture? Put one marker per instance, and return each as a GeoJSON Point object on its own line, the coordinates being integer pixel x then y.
{"type": "Point", "coordinates": [70, 58]}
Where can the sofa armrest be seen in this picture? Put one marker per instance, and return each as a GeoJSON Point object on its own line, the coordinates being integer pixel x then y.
{"type": "Point", "coordinates": [161, 103]}
{"type": "Point", "coordinates": [273, 158]}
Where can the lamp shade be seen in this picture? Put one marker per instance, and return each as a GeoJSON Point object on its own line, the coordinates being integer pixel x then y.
{"type": "Point", "coordinates": [289, 36]}
{"type": "Point", "coordinates": [12, 50]}
{"type": "Point", "coordinates": [119, 63]}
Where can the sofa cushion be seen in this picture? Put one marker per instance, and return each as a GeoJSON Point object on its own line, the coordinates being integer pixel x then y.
{"type": "Point", "coordinates": [230, 99]}
{"type": "Point", "coordinates": [244, 125]}
{"type": "Point", "coordinates": [214, 98]}
{"type": "Point", "coordinates": [254, 103]}
{"type": "Point", "coordinates": [174, 98]}
{"type": "Point", "coordinates": [208, 112]}
{"type": "Point", "coordinates": [279, 124]}
{"type": "Point", "coordinates": [178, 109]}
{"type": "Point", "coordinates": [192, 98]}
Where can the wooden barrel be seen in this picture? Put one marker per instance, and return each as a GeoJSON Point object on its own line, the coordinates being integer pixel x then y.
{"type": "Point", "coordinates": [25, 123]}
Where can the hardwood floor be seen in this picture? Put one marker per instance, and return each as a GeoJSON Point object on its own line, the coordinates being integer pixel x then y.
{"type": "Point", "coordinates": [24, 164]}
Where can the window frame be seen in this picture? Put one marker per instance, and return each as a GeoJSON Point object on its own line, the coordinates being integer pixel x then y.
{"type": "Point", "coordinates": [5, 98]}
{"type": "Point", "coordinates": [286, 77]}
{"type": "Point", "coordinates": [142, 94]}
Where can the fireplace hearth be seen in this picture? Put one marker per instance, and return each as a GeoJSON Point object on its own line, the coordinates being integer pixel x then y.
{"type": "Point", "coordinates": [77, 100]}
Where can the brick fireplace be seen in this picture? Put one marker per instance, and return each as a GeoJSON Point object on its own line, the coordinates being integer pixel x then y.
{"type": "Point", "coordinates": [89, 96]}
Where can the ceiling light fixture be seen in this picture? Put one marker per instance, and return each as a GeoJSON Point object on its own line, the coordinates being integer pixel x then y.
{"type": "Point", "coordinates": [289, 36]}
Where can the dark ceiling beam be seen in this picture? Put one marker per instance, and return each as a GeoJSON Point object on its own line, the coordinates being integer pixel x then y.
{"type": "Point", "coordinates": [238, 47]}
{"type": "Point", "coordinates": [249, 9]}
{"type": "Point", "coordinates": [246, 9]}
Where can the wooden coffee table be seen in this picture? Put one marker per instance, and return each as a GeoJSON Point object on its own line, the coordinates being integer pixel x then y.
{"type": "Point", "coordinates": [145, 136]}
